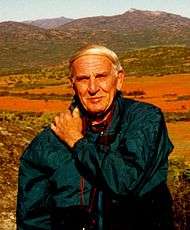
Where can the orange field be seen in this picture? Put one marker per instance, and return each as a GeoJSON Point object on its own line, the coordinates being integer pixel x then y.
{"type": "Point", "coordinates": [179, 133]}
{"type": "Point", "coordinates": [163, 91]}
{"type": "Point", "coordinates": [171, 93]}
{"type": "Point", "coordinates": [22, 104]}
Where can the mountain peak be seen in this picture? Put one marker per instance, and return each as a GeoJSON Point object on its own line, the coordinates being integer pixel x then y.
{"type": "Point", "coordinates": [49, 23]}
{"type": "Point", "coordinates": [148, 12]}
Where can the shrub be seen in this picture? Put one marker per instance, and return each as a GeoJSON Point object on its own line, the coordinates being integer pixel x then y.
{"type": "Point", "coordinates": [179, 183]}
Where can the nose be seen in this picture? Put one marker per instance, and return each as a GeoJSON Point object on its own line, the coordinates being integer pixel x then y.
{"type": "Point", "coordinates": [92, 86]}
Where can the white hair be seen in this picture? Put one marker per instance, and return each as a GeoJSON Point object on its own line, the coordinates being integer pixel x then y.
{"type": "Point", "coordinates": [97, 50]}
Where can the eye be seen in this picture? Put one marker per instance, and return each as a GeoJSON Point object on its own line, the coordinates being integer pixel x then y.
{"type": "Point", "coordinates": [101, 76]}
{"type": "Point", "coordinates": [81, 78]}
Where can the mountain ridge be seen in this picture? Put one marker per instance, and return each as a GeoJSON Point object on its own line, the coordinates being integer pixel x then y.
{"type": "Point", "coordinates": [48, 23]}
{"type": "Point", "coordinates": [11, 30]}
{"type": "Point", "coordinates": [26, 46]}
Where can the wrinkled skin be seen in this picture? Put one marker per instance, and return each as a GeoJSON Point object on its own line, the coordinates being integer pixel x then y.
{"type": "Point", "coordinates": [95, 81]}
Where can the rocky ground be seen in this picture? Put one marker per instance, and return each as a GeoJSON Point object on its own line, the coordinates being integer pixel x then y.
{"type": "Point", "coordinates": [14, 137]}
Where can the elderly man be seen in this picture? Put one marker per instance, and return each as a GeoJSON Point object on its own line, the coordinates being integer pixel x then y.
{"type": "Point", "coordinates": [103, 163]}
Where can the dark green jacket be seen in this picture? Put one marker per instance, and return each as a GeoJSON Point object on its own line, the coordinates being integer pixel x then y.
{"type": "Point", "coordinates": [125, 163]}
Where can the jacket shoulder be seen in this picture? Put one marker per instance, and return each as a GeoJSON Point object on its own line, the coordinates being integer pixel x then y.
{"type": "Point", "coordinates": [141, 113]}
{"type": "Point", "coordinates": [139, 105]}
{"type": "Point", "coordinates": [45, 149]}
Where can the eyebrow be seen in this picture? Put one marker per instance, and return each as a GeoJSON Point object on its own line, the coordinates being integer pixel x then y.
{"type": "Point", "coordinates": [98, 73]}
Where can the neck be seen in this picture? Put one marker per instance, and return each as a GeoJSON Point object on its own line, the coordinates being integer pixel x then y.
{"type": "Point", "coordinates": [102, 119]}
{"type": "Point", "coordinates": [100, 123]}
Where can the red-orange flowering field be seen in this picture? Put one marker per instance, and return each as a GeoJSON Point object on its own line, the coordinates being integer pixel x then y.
{"type": "Point", "coordinates": [171, 93]}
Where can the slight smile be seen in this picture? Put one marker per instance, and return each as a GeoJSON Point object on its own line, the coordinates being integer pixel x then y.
{"type": "Point", "coordinates": [94, 99]}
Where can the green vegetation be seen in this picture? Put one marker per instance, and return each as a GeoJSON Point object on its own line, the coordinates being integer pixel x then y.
{"type": "Point", "coordinates": [52, 62]}
{"type": "Point", "coordinates": [134, 93]}
{"type": "Point", "coordinates": [157, 61]}
{"type": "Point", "coordinates": [177, 116]}
{"type": "Point", "coordinates": [28, 119]}
{"type": "Point", "coordinates": [47, 77]}
{"type": "Point", "coordinates": [179, 184]}
{"type": "Point", "coordinates": [17, 85]}
{"type": "Point", "coordinates": [52, 96]}
{"type": "Point", "coordinates": [183, 98]}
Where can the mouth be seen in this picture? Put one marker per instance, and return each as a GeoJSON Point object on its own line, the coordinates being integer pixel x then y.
{"type": "Point", "coordinates": [94, 99]}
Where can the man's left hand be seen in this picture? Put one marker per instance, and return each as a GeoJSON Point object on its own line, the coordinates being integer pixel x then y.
{"type": "Point", "coordinates": [68, 126]}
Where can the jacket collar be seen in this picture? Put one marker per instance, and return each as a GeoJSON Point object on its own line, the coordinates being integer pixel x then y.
{"type": "Point", "coordinates": [113, 127]}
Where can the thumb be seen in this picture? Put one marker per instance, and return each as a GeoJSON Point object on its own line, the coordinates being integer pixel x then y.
{"type": "Point", "coordinates": [76, 113]}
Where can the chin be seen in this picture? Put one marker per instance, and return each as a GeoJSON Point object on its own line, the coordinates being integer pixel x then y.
{"type": "Point", "coordinates": [95, 108]}
{"type": "Point", "coordinates": [95, 111]}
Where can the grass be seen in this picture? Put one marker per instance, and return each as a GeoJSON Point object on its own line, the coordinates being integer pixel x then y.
{"type": "Point", "coordinates": [177, 116]}
{"type": "Point", "coordinates": [32, 119]}
{"type": "Point", "coordinates": [134, 93]}
{"type": "Point", "coordinates": [37, 58]}
{"type": "Point", "coordinates": [179, 184]}
{"type": "Point", "coordinates": [157, 61]}
{"type": "Point", "coordinates": [183, 98]}
{"type": "Point", "coordinates": [52, 96]}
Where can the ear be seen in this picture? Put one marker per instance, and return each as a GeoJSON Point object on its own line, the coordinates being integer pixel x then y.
{"type": "Point", "coordinates": [71, 80]}
{"type": "Point", "coordinates": [72, 84]}
{"type": "Point", "coordinates": [120, 79]}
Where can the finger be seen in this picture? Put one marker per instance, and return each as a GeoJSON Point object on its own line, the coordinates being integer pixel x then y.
{"type": "Point", "coordinates": [65, 116]}
{"type": "Point", "coordinates": [56, 120]}
{"type": "Point", "coordinates": [76, 113]}
{"type": "Point", "coordinates": [53, 127]}
{"type": "Point", "coordinates": [62, 117]}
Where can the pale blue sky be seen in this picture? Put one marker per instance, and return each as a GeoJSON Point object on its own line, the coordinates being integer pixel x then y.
{"type": "Point", "coordinates": [19, 10]}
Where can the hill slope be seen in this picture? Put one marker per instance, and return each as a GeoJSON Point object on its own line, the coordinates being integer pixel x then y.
{"type": "Point", "coordinates": [133, 29]}
{"type": "Point", "coordinates": [24, 47]}
{"type": "Point", "coordinates": [15, 31]}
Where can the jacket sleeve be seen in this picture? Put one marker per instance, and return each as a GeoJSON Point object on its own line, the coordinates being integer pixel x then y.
{"type": "Point", "coordinates": [32, 211]}
{"type": "Point", "coordinates": [137, 164]}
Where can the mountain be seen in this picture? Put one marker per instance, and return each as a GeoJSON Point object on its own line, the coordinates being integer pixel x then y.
{"type": "Point", "coordinates": [15, 31]}
{"type": "Point", "coordinates": [133, 29]}
{"type": "Point", "coordinates": [49, 23]}
{"type": "Point", "coordinates": [26, 47]}
{"type": "Point", "coordinates": [132, 20]}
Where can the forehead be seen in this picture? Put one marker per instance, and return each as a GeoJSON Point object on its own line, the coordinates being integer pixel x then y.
{"type": "Point", "coordinates": [91, 63]}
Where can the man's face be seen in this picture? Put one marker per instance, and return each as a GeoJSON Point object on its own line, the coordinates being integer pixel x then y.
{"type": "Point", "coordinates": [95, 81]}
